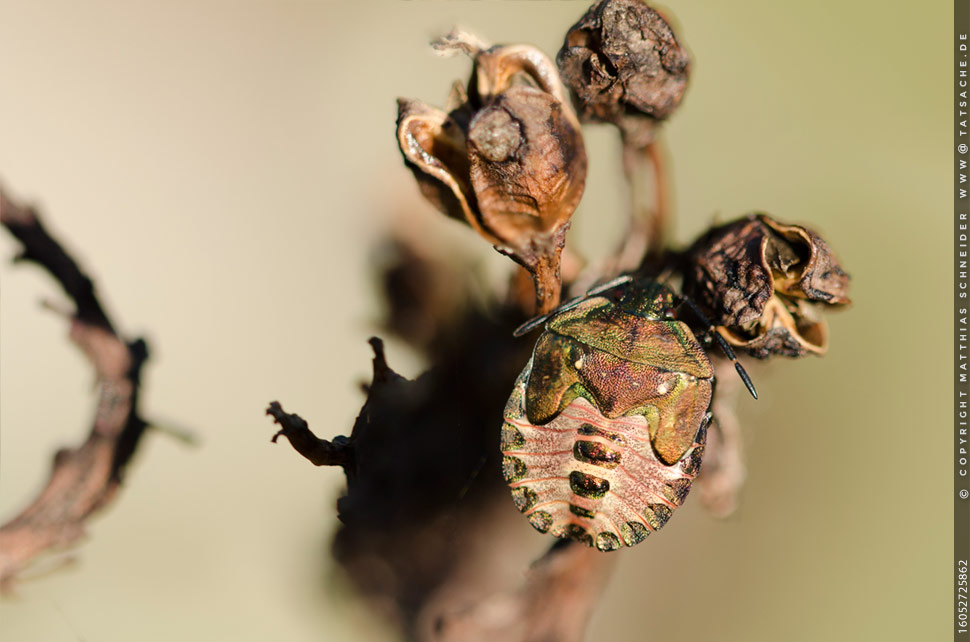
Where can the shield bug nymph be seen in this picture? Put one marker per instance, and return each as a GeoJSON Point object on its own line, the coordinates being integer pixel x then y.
{"type": "Point", "coordinates": [605, 428]}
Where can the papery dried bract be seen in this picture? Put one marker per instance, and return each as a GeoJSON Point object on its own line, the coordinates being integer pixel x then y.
{"type": "Point", "coordinates": [817, 278]}
{"type": "Point", "coordinates": [625, 66]}
{"type": "Point", "coordinates": [497, 69]}
{"type": "Point", "coordinates": [435, 151]}
{"type": "Point", "coordinates": [765, 284]}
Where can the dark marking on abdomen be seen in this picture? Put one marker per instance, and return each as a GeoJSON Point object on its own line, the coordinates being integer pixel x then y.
{"type": "Point", "coordinates": [607, 542]}
{"type": "Point", "coordinates": [524, 498]}
{"type": "Point", "coordinates": [593, 452]}
{"type": "Point", "coordinates": [676, 490]}
{"type": "Point", "coordinates": [512, 438]}
{"type": "Point", "coordinates": [588, 486]}
{"type": "Point", "coordinates": [579, 511]}
{"type": "Point", "coordinates": [513, 469]}
{"type": "Point", "coordinates": [578, 533]}
{"type": "Point", "coordinates": [657, 515]}
{"type": "Point", "coordinates": [634, 533]}
{"type": "Point", "coordinates": [589, 430]}
{"type": "Point", "coordinates": [540, 520]}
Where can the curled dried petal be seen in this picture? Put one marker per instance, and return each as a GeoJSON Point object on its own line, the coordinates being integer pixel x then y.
{"type": "Point", "coordinates": [625, 66]}
{"type": "Point", "coordinates": [787, 328]}
{"type": "Point", "coordinates": [435, 151]}
{"type": "Point", "coordinates": [819, 277]}
{"type": "Point", "coordinates": [496, 70]}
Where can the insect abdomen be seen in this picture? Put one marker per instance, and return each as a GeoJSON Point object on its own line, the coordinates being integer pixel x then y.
{"type": "Point", "coordinates": [590, 478]}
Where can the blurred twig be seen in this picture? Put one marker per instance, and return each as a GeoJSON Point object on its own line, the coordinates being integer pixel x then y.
{"type": "Point", "coordinates": [319, 452]}
{"type": "Point", "coordinates": [646, 174]}
{"type": "Point", "coordinates": [83, 479]}
{"type": "Point", "coordinates": [554, 603]}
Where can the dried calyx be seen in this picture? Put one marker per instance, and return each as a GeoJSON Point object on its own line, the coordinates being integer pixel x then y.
{"type": "Point", "coordinates": [624, 65]}
{"type": "Point", "coordinates": [508, 156]}
{"type": "Point", "coordinates": [765, 284]}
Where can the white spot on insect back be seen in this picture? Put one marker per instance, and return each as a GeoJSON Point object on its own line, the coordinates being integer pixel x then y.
{"type": "Point", "coordinates": [662, 389]}
{"type": "Point", "coordinates": [579, 363]}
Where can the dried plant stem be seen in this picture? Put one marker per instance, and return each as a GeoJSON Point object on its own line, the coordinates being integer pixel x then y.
{"type": "Point", "coordinates": [660, 222]}
{"type": "Point", "coordinates": [83, 479]}
{"type": "Point", "coordinates": [542, 258]}
{"type": "Point", "coordinates": [554, 603]}
{"type": "Point", "coordinates": [645, 171]}
{"type": "Point", "coordinates": [319, 452]}
{"type": "Point", "coordinates": [548, 284]}
{"type": "Point", "coordinates": [522, 291]}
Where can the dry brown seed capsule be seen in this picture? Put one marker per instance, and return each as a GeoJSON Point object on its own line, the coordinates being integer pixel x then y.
{"type": "Point", "coordinates": [525, 158]}
{"type": "Point", "coordinates": [765, 283]}
{"type": "Point", "coordinates": [510, 160]}
{"type": "Point", "coordinates": [625, 66]}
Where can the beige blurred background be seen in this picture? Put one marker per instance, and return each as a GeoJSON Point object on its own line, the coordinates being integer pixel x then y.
{"type": "Point", "coordinates": [223, 170]}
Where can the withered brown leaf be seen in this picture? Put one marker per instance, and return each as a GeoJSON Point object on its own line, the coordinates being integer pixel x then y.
{"type": "Point", "coordinates": [764, 283]}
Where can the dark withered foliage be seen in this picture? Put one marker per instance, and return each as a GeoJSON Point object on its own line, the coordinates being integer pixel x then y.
{"type": "Point", "coordinates": [624, 65]}
{"type": "Point", "coordinates": [766, 283]}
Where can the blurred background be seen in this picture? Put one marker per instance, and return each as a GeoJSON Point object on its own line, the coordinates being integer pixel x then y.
{"type": "Point", "coordinates": [225, 170]}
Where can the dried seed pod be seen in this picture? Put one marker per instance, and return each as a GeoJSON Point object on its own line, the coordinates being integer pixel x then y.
{"type": "Point", "coordinates": [765, 284]}
{"type": "Point", "coordinates": [527, 165]}
{"type": "Point", "coordinates": [625, 66]}
{"type": "Point", "coordinates": [509, 160]}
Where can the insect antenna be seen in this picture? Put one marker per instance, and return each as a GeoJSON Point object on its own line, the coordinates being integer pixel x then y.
{"type": "Point", "coordinates": [535, 322]}
{"type": "Point", "coordinates": [725, 347]}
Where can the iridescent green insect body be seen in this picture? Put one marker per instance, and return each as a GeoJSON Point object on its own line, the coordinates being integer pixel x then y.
{"type": "Point", "coordinates": [605, 429]}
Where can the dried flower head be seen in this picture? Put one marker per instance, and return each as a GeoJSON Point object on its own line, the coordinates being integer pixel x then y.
{"type": "Point", "coordinates": [509, 158]}
{"type": "Point", "coordinates": [625, 66]}
{"type": "Point", "coordinates": [765, 283]}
